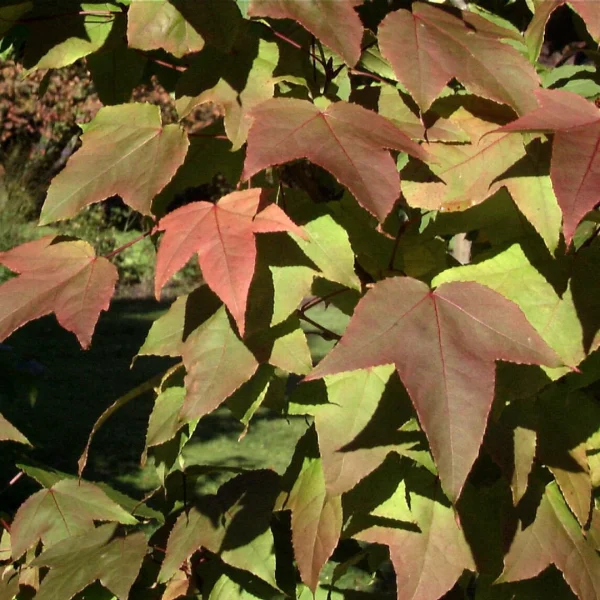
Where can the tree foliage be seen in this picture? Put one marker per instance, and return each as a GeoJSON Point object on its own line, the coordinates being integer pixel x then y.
{"type": "Point", "coordinates": [416, 167]}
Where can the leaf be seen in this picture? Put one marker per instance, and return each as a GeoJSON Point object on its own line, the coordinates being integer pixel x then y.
{"type": "Point", "coordinates": [535, 32]}
{"type": "Point", "coordinates": [424, 333]}
{"type": "Point", "coordinates": [351, 145]}
{"type": "Point", "coordinates": [326, 243]}
{"type": "Point", "coordinates": [576, 123]}
{"type": "Point", "coordinates": [466, 172]}
{"type": "Point", "coordinates": [115, 73]}
{"type": "Point", "coordinates": [233, 524]}
{"type": "Point", "coordinates": [182, 26]}
{"type": "Point", "coordinates": [222, 235]}
{"type": "Point", "coordinates": [125, 151]}
{"type": "Point", "coordinates": [511, 274]}
{"type": "Point", "coordinates": [79, 29]}
{"type": "Point", "coordinates": [9, 432]}
{"type": "Point", "coordinates": [208, 355]}
{"type": "Point", "coordinates": [66, 509]}
{"type": "Point", "coordinates": [259, 86]}
{"type": "Point", "coordinates": [427, 563]}
{"type": "Point", "coordinates": [528, 182]}
{"type": "Point", "coordinates": [10, 15]}
{"type": "Point", "coordinates": [164, 420]}
{"type": "Point", "coordinates": [554, 538]}
{"type": "Point", "coordinates": [316, 516]}
{"type": "Point", "coordinates": [429, 47]}
{"type": "Point", "coordinates": [99, 555]}
{"type": "Point", "coordinates": [65, 278]}
{"type": "Point", "coordinates": [335, 23]}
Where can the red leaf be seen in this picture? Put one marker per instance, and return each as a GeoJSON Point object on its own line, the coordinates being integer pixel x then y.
{"type": "Point", "coordinates": [335, 23]}
{"type": "Point", "coordinates": [351, 142]}
{"type": "Point", "coordinates": [444, 344]}
{"type": "Point", "coordinates": [429, 47]}
{"type": "Point", "coordinates": [575, 167]}
{"type": "Point", "coordinates": [66, 278]}
{"type": "Point", "coordinates": [222, 235]}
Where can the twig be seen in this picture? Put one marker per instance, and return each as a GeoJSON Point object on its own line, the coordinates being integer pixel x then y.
{"type": "Point", "coordinates": [330, 334]}
{"type": "Point", "coordinates": [403, 227]}
{"type": "Point", "coordinates": [297, 46]}
{"type": "Point", "coordinates": [130, 243]}
{"type": "Point", "coordinates": [162, 63]}
{"type": "Point", "coordinates": [318, 300]}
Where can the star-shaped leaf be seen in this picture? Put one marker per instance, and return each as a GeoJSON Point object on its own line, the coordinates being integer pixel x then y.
{"type": "Point", "coordinates": [554, 537]}
{"type": "Point", "coordinates": [65, 278]}
{"type": "Point", "coordinates": [97, 555]}
{"type": "Point", "coordinates": [335, 23]}
{"type": "Point", "coordinates": [222, 235]}
{"type": "Point", "coordinates": [576, 126]}
{"type": "Point", "coordinates": [429, 47]}
{"type": "Point", "coordinates": [125, 151]}
{"type": "Point", "coordinates": [444, 344]}
{"type": "Point", "coordinates": [351, 146]}
{"type": "Point", "coordinates": [65, 509]}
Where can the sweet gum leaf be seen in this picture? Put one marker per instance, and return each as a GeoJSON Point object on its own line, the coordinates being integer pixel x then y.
{"type": "Point", "coordinates": [120, 143]}
{"type": "Point", "coordinates": [401, 321]}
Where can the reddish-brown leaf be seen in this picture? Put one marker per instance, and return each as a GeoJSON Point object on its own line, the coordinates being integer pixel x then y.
{"type": "Point", "coordinates": [429, 47]}
{"type": "Point", "coordinates": [222, 235]}
{"type": "Point", "coordinates": [335, 23]}
{"type": "Point", "coordinates": [346, 139]}
{"type": "Point", "coordinates": [65, 278]}
{"type": "Point", "coordinates": [444, 344]}
{"type": "Point", "coordinates": [575, 168]}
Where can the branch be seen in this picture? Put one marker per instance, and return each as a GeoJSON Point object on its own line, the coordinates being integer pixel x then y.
{"type": "Point", "coordinates": [130, 243]}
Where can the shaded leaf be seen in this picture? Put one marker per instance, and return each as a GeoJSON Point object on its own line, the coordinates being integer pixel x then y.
{"type": "Point", "coordinates": [335, 23]}
{"type": "Point", "coordinates": [65, 278]}
{"type": "Point", "coordinates": [66, 509]}
{"type": "Point", "coordinates": [351, 145]}
{"type": "Point", "coordinates": [99, 555]}
{"type": "Point", "coordinates": [429, 47]}
{"type": "Point", "coordinates": [554, 537]}
{"type": "Point", "coordinates": [208, 354]}
{"type": "Point", "coordinates": [10, 15]}
{"type": "Point", "coordinates": [126, 151]}
{"type": "Point", "coordinates": [222, 235]}
{"type": "Point", "coordinates": [9, 432]}
{"type": "Point", "coordinates": [424, 334]}
{"type": "Point", "coordinates": [576, 125]}
{"type": "Point", "coordinates": [233, 524]}
{"type": "Point", "coordinates": [427, 563]}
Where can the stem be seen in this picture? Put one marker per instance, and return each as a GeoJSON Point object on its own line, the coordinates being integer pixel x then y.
{"type": "Point", "coordinates": [208, 135]}
{"type": "Point", "coordinates": [401, 230]}
{"type": "Point", "coordinates": [330, 334]}
{"type": "Point", "coordinates": [82, 13]}
{"type": "Point", "coordinates": [128, 244]}
{"type": "Point", "coordinates": [366, 74]}
{"type": "Point", "coordinates": [5, 525]}
{"type": "Point", "coordinates": [318, 300]}
{"type": "Point", "coordinates": [298, 46]}
{"type": "Point", "coordinates": [162, 63]}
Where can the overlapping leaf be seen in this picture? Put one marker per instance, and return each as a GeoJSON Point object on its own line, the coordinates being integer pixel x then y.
{"type": "Point", "coordinates": [222, 235]}
{"type": "Point", "coordinates": [233, 524]}
{"type": "Point", "coordinates": [427, 563]}
{"type": "Point", "coordinates": [438, 340]}
{"type": "Point", "coordinates": [429, 47]}
{"type": "Point", "coordinates": [100, 555]}
{"type": "Point", "coordinates": [67, 508]}
{"type": "Point", "coordinates": [576, 126]}
{"type": "Point", "coordinates": [335, 23]}
{"type": "Point", "coordinates": [65, 278]}
{"type": "Point", "coordinates": [466, 172]}
{"type": "Point", "coordinates": [554, 537]}
{"type": "Point", "coordinates": [351, 141]}
{"type": "Point", "coordinates": [125, 151]}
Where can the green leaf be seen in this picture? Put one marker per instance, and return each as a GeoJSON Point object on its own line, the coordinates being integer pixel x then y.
{"type": "Point", "coordinates": [120, 142]}
{"type": "Point", "coordinates": [554, 537]}
{"type": "Point", "coordinates": [10, 15]}
{"type": "Point", "coordinates": [84, 29]}
{"type": "Point", "coordinates": [208, 354]}
{"type": "Point", "coordinates": [290, 285]}
{"type": "Point", "coordinates": [97, 555]}
{"type": "Point", "coordinates": [164, 420]}
{"type": "Point", "coordinates": [66, 509]}
{"type": "Point", "coordinates": [233, 524]}
{"type": "Point", "coordinates": [9, 432]}
{"type": "Point", "coordinates": [328, 246]}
